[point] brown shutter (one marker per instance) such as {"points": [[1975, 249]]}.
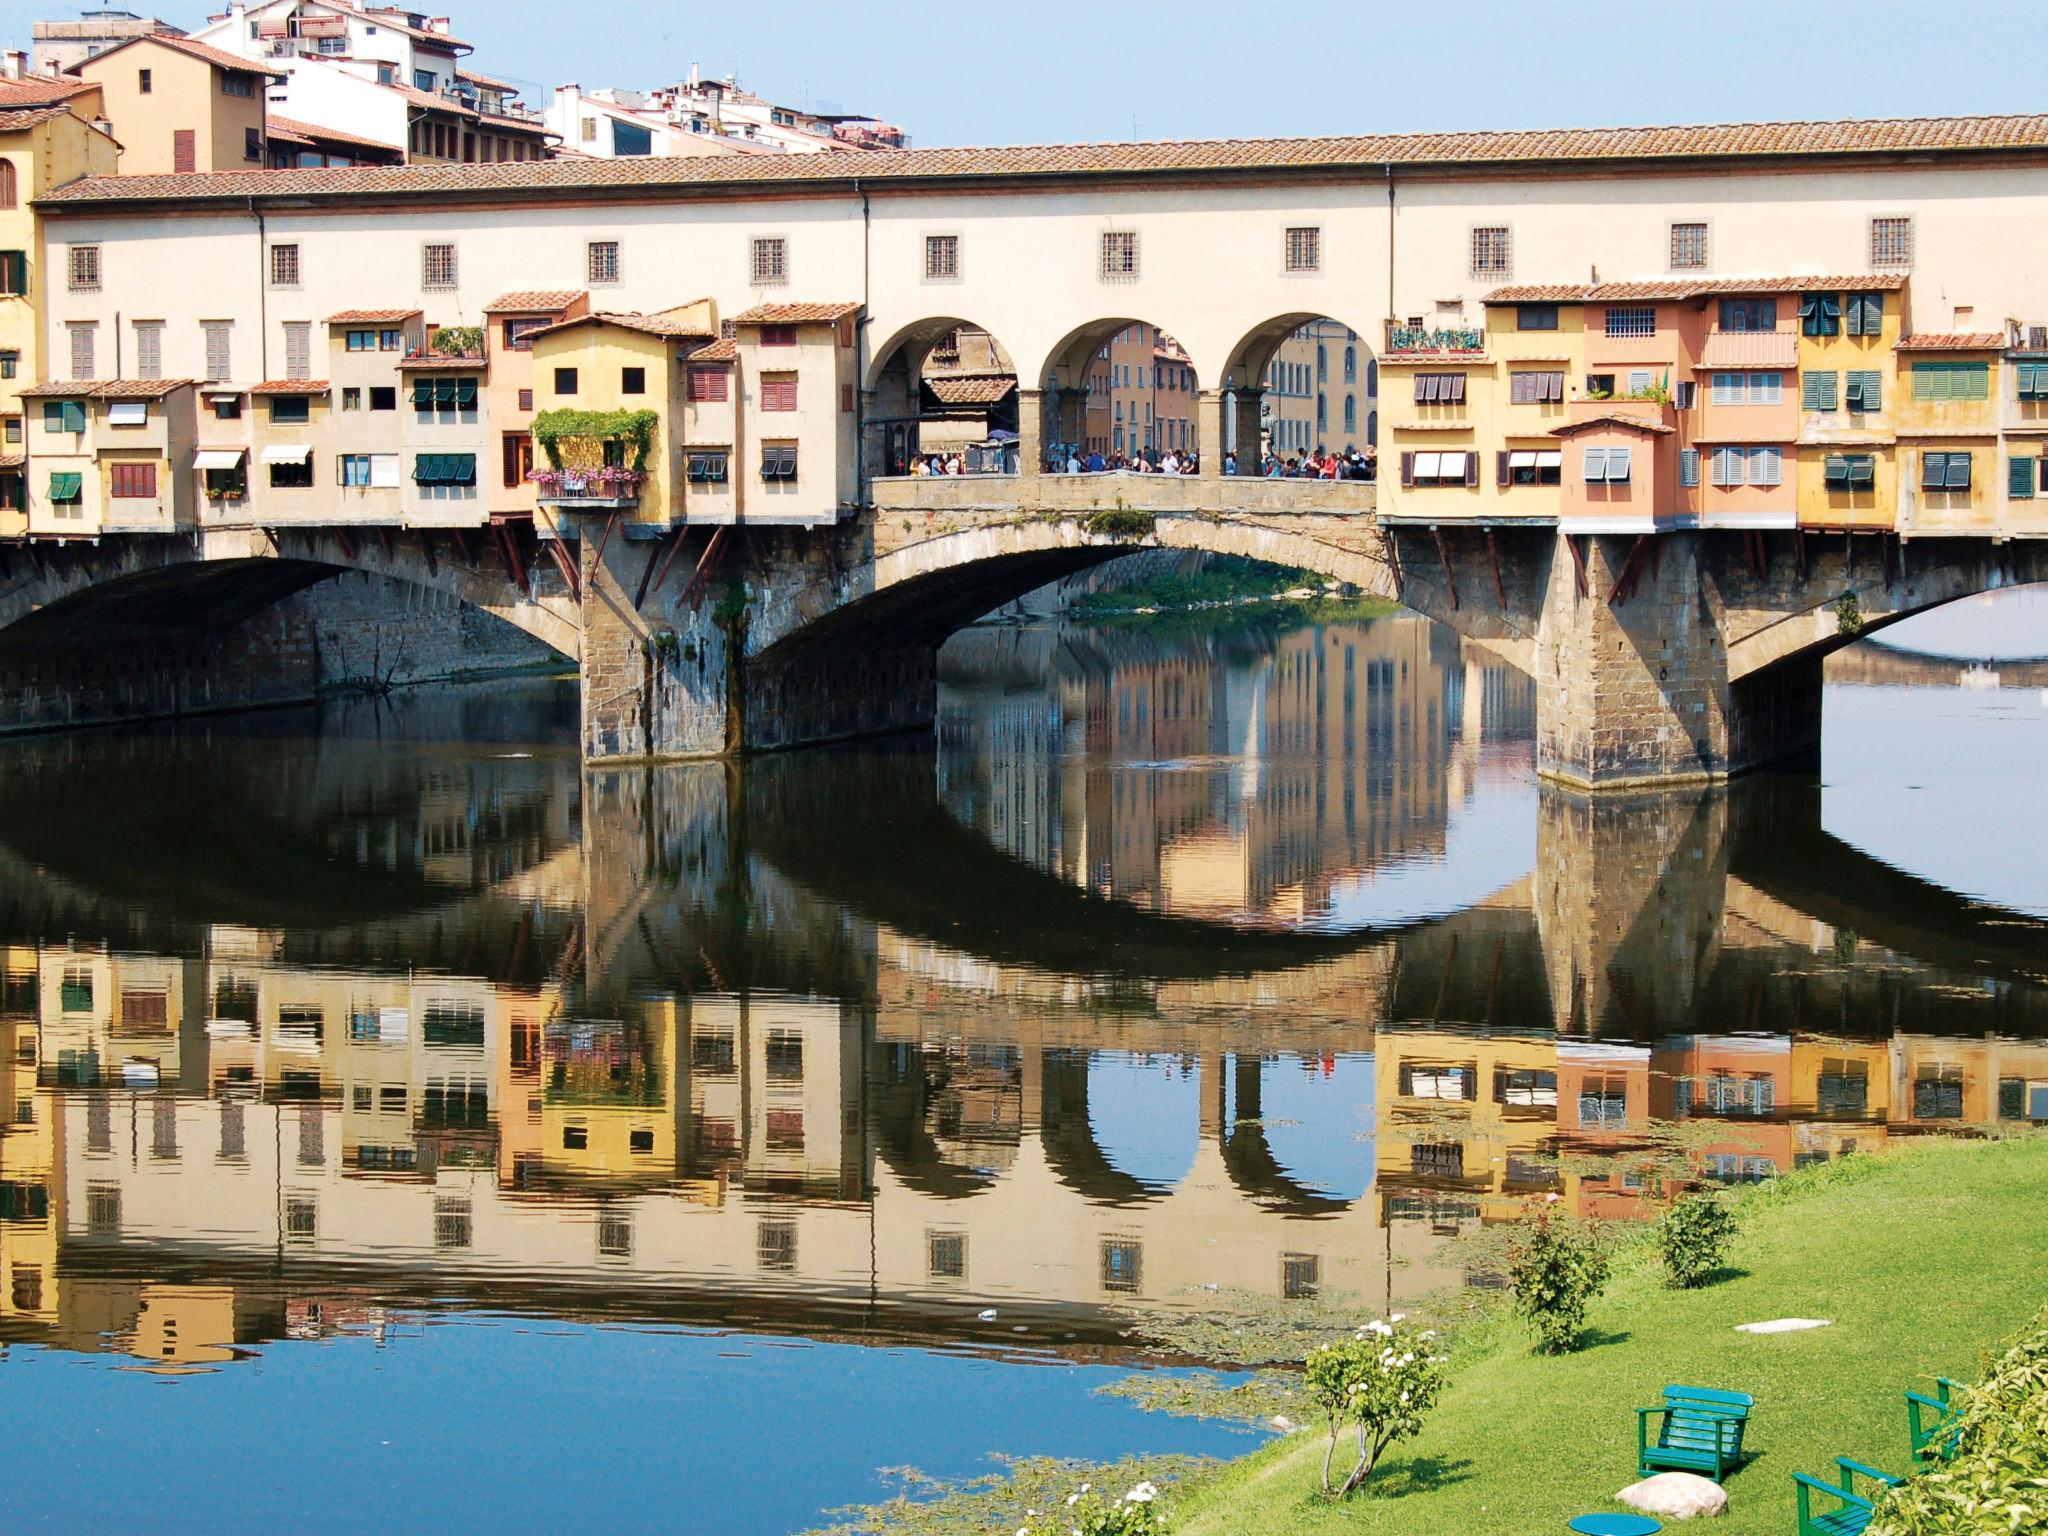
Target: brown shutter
{"points": [[184, 151], [1407, 468], [1500, 468], [1471, 469]]}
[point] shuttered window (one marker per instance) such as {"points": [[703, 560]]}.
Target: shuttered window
{"points": [[218, 333], [149, 349], [1440, 389], [2019, 479], [1688, 466], [132, 481], [2033, 381], [708, 384], [1728, 466], [1593, 465], [298, 350], [1817, 391], [63, 416], [1951, 381], [778, 461], [1945, 471], [1535, 388], [83, 339], [1766, 466], [13, 272], [1866, 314], [1820, 314], [1865, 390], [778, 392]]}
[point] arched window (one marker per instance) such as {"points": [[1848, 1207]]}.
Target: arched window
{"points": [[1350, 415], [1322, 414], [6, 183], [1372, 376], [1351, 365], [1322, 362]]}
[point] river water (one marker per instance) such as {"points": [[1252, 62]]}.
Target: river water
{"points": [[404, 1130]]}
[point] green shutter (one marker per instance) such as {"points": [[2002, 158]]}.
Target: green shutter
{"points": [[426, 469], [460, 467], [465, 394], [66, 485], [1836, 470], [1873, 389], [1931, 381], [1973, 381], [1817, 391], [1862, 469], [1933, 471], [423, 394], [2019, 479], [444, 394]]}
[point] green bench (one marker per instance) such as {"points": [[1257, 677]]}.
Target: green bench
{"points": [[1700, 1430], [1932, 1423], [1852, 1510]]}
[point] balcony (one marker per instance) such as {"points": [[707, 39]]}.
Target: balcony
{"points": [[474, 102], [588, 489], [1456, 341]]}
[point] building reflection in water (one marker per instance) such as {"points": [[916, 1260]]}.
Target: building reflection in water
{"points": [[1052, 1029]]}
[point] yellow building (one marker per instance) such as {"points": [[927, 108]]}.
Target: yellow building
{"points": [[1852, 396], [180, 107], [1948, 432], [41, 147], [112, 457], [614, 364]]}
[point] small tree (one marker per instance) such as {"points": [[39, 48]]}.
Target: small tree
{"points": [[1558, 1267], [1693, 1235], [1383, 1380], [1089, 1513]]}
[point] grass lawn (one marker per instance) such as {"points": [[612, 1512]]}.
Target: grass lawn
{"points": [[1924, 1258]]}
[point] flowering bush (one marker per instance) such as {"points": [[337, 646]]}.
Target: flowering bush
{"points": [[1558, 1267], [608, 480], [1693, 1235], [1089, 1513], [1382, 1380]]}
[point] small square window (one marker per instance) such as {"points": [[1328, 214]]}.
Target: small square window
{"points": [[383, 397], [770, 260], [1119, 255], [437, 265], [1891, 241], [1304, 249], [284, 266], [1491, 251], [632, 381], [603, 264], [565, 381], [82, 265], [352, 398], [1688, 247], [941, 258]]}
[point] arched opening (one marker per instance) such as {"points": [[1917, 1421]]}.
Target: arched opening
{"points": [[1120, 396], [1306, 387], [942, 399]]}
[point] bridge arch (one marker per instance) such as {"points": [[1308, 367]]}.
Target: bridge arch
{"points": [[1310, 379], [1120, 385], [938, 385]]}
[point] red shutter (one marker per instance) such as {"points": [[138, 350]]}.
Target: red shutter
{"points": [[1407, 468], [707, 384], [778, 335], [184, 151], [778, 394]]}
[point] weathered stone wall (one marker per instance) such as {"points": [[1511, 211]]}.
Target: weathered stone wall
{"points": [[371, 630]]}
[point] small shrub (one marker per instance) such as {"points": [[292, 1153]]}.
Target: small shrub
{"points": [[1693, 1236], [1558, 1268], [1382, 1380], [1120, 523], [1848, 615], [1088, 1513]]}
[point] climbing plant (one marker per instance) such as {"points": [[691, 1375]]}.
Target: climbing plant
{"points": [[459, 340], [551, 429], [1848, 614]]}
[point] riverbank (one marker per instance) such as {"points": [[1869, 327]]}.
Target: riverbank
{"points": [[1923, 1258]]}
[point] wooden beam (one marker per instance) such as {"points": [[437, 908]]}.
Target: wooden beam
{"points": [[1578, 561], [384, 538], [1628, 568], [1443, 553], [1500, 590], [1394, 562], [1799, 551], [348, 545], [567, 567], [605, 538], [706, 564], [508, 548], [427, 549], [661, 554]]}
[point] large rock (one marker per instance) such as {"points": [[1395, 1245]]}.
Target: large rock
{"points": [[1676, 1496]]}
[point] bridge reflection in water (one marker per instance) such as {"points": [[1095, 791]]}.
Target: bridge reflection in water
{"points": [[1254, 963]]}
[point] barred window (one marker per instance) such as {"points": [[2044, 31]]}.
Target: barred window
{"points": [[1891, 241], [1305, 250], [771, 259], [603, 263], [284, 266], [1119, 255], [941, 257], [1688, 247], [84, 268], [1490, 252], [437, 265], [1632, 322]]}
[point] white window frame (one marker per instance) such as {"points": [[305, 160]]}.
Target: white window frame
{"points": [[128, 413], [1628, 333], [763, 273]]}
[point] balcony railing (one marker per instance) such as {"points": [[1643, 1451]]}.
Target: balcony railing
{"points": [[474, 101], [607, 487], [1415, 338]]}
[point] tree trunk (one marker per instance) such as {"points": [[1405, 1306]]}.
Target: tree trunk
{"points": [[1368, 1458]]}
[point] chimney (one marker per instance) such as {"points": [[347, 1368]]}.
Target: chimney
{"points": [[438, 24], [14, 63]]}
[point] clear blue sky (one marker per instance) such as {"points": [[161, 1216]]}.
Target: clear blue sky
{"points": [[998, 72]]}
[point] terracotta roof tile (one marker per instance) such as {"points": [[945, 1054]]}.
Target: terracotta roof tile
{"points": [[218, 58], [318, 133], [1724, 141], [650, 325], [14, 119], [724, 350], [104, 389], [12, 460], [290, 387], [971, 389], [433, 362], [533, 301], [489, 82], [370, 316], [1613, 419], [40, 90], [1960, 341], [795, 314], [1671, 288]]}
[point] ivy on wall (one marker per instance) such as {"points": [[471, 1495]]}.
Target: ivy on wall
{"points": [[551, 429]]}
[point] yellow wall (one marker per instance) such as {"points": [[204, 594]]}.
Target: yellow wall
{"points": [[1944, 426], [184, 93], [599, 353]]}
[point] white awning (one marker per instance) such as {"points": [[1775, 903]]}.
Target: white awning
{"points": [[1522, 460], [1425, 465], [1552, 458], [1450, 464], [217, 458], [128, 413], [288, 453]]}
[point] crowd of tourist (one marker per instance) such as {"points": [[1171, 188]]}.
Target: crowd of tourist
{"points": [[1322, 464], [1351, 464]]}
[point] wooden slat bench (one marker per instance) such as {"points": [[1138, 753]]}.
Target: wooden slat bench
{"points": [[1931, 1421], [1852, 1510], [1700, 1431]]}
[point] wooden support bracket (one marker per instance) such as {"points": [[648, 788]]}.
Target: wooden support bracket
{"points": [[1443, 553], [1578, 562], [1500, 591]]}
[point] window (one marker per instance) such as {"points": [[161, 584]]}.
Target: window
{"points": [[1820, 314], [252, 143], [708, 383], [82, 339], [778, 392], [298, 349], [1123, 1265], [1432, 1080], [8, 196], [519, 332], [1535, 317], [2031, 381], [1866, 314], [1610, 464], [565, 381], [218, 334], [1849, 471], [13, 270], [778, 461], [1119, 255], [2019, 478], [128, 413], [770, 263], [1749, 314], [1304, 249], [775, 1244], [1817, 390], [1766, 466], [706, 468], [1944, 471], [1442, 1159], [227, 407], [383, 397], [1688, 466], [63, 416], [1688, 247], [149, 349], [444, 469], [290, 409], [1938, 1093], [423, 80], [1891, 241], [1864, 389], [142, 82], [1949, 381], [10, 430], [353, 469], [602, 261], [946, 1255], [437, 265], [135, 482], [1749, 388], [941, 258], [1542, 387], [1632, 321], [1440, 389], [1490, 250], [291, 474], [1431, 468], [284, 266], [236, 84], [451, 1221], [516, 456]]}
